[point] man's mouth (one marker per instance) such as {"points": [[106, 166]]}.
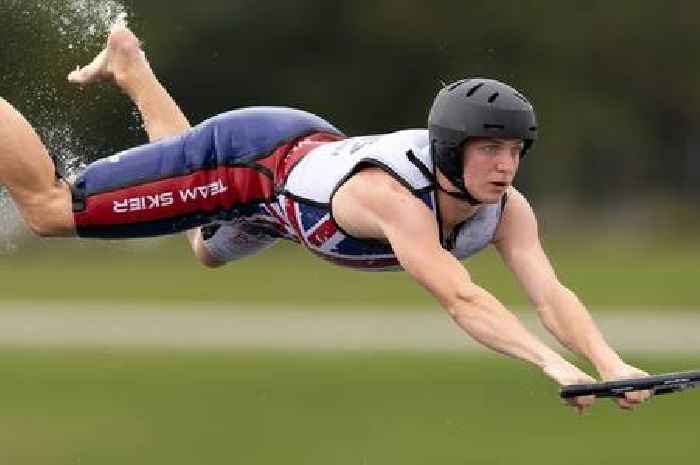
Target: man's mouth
{"points": [[500, 184]]}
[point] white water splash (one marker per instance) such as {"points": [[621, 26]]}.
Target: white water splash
{"points": [[66, 148], [68, 155], [75, 26], [83, 22], [11, 225]]}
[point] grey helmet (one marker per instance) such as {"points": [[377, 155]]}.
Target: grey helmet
{"points": [[476, 107]]}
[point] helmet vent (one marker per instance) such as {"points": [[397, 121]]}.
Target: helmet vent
{"points": [[493, 97], [533, 128], [456, 84], [521, 97], [473, 90], [494, 126]]}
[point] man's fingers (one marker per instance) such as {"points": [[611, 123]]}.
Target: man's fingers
{"points": [[637, 397], [645, 395], [625, 404], [581, 403]]}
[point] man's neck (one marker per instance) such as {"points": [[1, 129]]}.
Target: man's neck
{"points": [[453, 211]]}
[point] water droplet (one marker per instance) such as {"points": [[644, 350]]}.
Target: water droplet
{"points": [[75, 25]]}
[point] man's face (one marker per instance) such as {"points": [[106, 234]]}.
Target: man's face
{"points": [[490, 166]]}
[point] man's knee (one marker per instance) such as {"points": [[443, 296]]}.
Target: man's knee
{"points": [[223, 243], [49, 227], [207, 260], [49, 214], [194, 237]]}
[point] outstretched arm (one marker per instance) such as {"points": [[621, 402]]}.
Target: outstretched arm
{"points": [[382, 207], [561, 312]]}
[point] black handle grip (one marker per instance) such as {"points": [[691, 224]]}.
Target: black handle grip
{"points": [[666, 383]]}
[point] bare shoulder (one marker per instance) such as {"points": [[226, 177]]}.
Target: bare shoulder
{"points": [[516, 200], [518, 217], [372, 198]]}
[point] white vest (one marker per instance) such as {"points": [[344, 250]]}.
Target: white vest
{"points": [[302, 213], [320, 173]]}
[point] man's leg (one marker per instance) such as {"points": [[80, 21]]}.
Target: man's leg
{"points": [[184, 181], [124, 63], [26, 169], [28, 173]]}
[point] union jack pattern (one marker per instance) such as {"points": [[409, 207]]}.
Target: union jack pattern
{"points": [[256, 166], [314, 227]]}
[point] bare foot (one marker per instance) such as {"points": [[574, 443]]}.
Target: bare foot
{"points": [[121, 58]]}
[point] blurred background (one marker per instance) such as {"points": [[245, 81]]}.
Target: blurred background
{"points": [[614, 179]]}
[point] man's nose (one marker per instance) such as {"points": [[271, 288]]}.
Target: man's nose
{"points": [[505, 164]]}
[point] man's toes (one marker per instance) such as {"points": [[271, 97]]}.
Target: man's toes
{"points": [[75, 76], [93, 72], [122, 38]]}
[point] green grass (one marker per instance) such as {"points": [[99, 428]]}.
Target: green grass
{"points": [[618, 271], [261, 408]]}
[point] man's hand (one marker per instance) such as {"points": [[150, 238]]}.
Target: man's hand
{"points": [[565, 374], [624, 371]]}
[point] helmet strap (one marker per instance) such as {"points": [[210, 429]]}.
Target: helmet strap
{"points": [[464, 195]]}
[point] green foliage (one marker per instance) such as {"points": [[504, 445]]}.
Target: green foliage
{"points": [[614, 83], [357, 408], [605, 271]]}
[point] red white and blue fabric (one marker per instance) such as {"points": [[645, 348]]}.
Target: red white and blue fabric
{"points": [[315, 226], [223, 168], [276, 170], [404, 155]]}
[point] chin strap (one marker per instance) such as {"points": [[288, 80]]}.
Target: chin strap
{"points": [[465, 195]]}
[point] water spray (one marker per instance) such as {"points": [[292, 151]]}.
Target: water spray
{"points": [[74, 27]]}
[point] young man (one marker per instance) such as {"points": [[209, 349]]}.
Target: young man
{"points": [[418, 200]]}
